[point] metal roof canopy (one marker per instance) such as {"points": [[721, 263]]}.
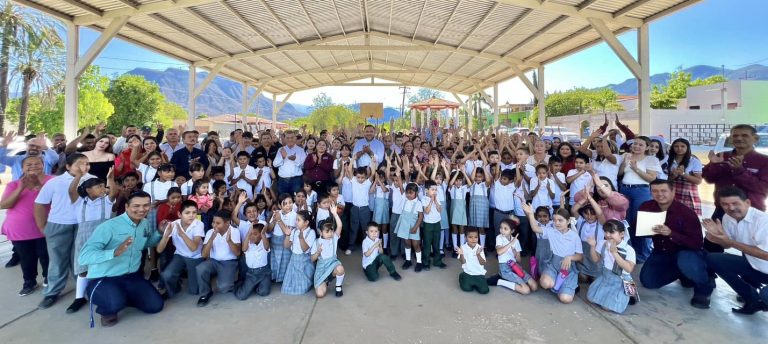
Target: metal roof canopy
{"points": [[285, 46]]}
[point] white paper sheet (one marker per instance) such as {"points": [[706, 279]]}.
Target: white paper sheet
{"points": [[646, 221]]}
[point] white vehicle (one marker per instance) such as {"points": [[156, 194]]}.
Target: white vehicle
{"points": [[724, 143]]}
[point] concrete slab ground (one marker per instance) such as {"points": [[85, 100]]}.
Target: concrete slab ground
{"points": [[427, 307]]}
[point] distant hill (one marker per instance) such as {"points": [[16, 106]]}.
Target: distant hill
{"points": [[222, 96], [752, 72]]}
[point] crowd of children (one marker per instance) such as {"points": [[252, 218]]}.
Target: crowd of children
{"points": [[538, 204]]}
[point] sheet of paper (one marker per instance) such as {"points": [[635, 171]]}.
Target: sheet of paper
{"points": [[646, 221]]}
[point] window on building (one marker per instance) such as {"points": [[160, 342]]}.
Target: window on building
{"points": [[694, 107], [716, 106], [732, 106]]}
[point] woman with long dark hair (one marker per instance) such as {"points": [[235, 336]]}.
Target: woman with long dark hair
{"points": [[685, 169], [567, 153]]}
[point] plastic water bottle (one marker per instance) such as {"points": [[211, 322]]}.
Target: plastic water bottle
{"points": [[560, 279], [534, 268], [516, 269]]}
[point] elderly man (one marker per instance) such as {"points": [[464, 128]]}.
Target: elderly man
{"points": [[122, 141], [113, 256], [677, 247], [746, 229], [368, 147], [289, 163], [742, 167], [172, 143], [190, 154], [35, 146]]}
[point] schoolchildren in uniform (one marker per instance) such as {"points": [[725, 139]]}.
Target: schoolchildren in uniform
{"points": [[557, 180], [458, 190], [374, 257], [472, 257], [361, 186], [543, 253], [432, 215], [257, 276], [560, 274], [244, 176], [299, 272], [588, 227], [578, 178], [504, 195], [244, 226], [281, 225], [264, 175], [196, 172], [479, 205], [542, 189], [617, 260], [381, 205], [408, 225], [158, 190], [323, 253], [148, 169], [311, 195], [167, 211], [186, 234], [93, 205], [396, 187], [129, 183], [513, 277], [524, 173], [221, 248], [442, 189]]}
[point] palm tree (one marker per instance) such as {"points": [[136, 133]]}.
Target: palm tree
{"points": [[11, 21], [38, 62], [478, 100]]}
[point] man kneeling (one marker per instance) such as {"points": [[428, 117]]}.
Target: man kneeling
{"points": [[113, 257]]}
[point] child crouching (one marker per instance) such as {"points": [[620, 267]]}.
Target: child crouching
{"points": [[257, 274], [472, 258], [618, 261], [508, 248], [373, 257]]}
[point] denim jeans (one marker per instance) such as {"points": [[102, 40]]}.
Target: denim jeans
{"points": [[739, 274], [637, 196], [289, 185], [112, 294], [661, 269]]}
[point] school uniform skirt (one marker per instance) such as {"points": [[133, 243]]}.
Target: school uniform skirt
{"points": [[84, 231], [324, 269], [479, 207], [586, 266], [458, 212], [298, 276], [543, 253], [608, 291], [444, 223], [278, 258], [381, 211], [506, 273], [552, 269]]}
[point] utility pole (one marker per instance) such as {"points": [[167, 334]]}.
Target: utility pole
{"points": [[402, 105]]}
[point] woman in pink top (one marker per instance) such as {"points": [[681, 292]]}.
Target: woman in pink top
{"points": [[19, 226], [613, 203]]}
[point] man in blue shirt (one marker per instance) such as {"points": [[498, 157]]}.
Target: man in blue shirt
{"points": [[35, 146], [189, 154], [113, 257]]}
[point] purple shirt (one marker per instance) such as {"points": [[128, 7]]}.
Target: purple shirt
{"points": [[685, 226], [751, 176]]}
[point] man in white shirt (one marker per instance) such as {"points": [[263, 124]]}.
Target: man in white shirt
{"points": [[172, 143], [368, 147], [289, 161], [746, 229]]}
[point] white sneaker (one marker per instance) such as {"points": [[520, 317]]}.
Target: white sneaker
{"points": [[348, 252]]}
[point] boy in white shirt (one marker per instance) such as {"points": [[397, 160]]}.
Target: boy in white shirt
{"points": [[557, 180], [472, 258], [258, 275], [244, 176], [360, 214], [396, 246], [186, 233], [432, 216], [264, 174], [373, 257], [221, 249]]}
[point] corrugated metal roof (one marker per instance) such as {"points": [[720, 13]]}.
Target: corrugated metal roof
{"points": [[452, 45]]}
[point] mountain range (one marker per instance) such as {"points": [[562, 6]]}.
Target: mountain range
{"points": [[224, 96]]}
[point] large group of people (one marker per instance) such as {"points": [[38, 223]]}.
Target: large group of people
{"points": [[133, 215]]}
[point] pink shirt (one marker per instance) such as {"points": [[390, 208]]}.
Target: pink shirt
{"points": [[614, 207], [20, 220]]}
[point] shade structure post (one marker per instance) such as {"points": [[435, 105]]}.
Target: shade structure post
{"points": [[191, 98], [495, 105], [644, 81], [540, 98], [274, 111], [70, 82], [244, 109]]}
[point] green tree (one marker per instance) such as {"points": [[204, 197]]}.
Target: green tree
{"points": [[93, 107], [170, 111], [605, 99], [331, 118], [424, 94], [667, 96], [136, 101], [320, 101]]}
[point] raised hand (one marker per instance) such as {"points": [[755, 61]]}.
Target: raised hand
{"points": [[242, 198], [8, 137], [124, 246], [714, 158]]}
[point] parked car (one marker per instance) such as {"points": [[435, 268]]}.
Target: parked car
{"points": [[724, 143]]}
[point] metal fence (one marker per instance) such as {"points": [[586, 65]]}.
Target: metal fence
{"points": [[699, 134]]}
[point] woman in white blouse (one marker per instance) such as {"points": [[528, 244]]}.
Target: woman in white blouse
{"points": [[638, 170]]}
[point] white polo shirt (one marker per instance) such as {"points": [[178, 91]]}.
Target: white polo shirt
{"points": [[504, 195], [56, 193], [360, 192], [289, 220], [250, 173], [398, 200], [147, 173], [329, 246], [256, 256], [433, 216], [472, 265], [609, 260], [458, 193], [309, 237], [507, 256], [367, 244], [563, 244], [220, 250], [245, 227], [578, 184], [194, 230], [266, 178], [88, 209], [751, 230], [158, 190]]}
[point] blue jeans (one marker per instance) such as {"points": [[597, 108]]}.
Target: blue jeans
{"points": [[637, 196], [661, 269], [739, 274], [113, 294], [289, 185]]}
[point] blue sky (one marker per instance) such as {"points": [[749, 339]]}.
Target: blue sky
{"points": [[733, 33]]}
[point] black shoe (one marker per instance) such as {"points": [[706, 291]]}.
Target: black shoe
{"points": [[739, 299], [15, 260], [425, 267], [396, 276], [751, 308], [27, 290], [48, 301], [339, 293], [108, 321], [76, 305], [441, 265], [407, 265], [154, 276], [203, 300], [632, 301], [493, 280], [165, 296], [418, 267], [578, 288], [700, 302]]}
